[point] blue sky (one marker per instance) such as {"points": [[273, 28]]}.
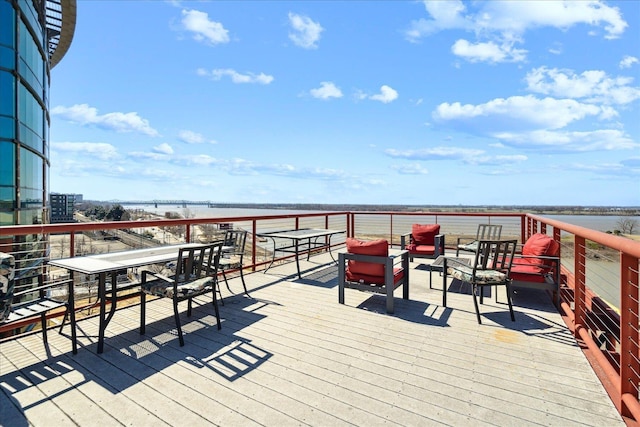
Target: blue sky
{"points": [[363, 102]]}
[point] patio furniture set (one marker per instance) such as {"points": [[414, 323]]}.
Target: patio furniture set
{"points": [[369, 266], [372, 267]]}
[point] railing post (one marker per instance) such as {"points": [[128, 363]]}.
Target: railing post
{"points": [[629, 336], [579, 285], [253, 244]]}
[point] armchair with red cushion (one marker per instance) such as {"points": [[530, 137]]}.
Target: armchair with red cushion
{"points": [[538, 265], [370, 266], [424, 241]]}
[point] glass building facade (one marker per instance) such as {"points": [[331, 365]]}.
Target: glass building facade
{"points": [[34, 35], [32, 40]]}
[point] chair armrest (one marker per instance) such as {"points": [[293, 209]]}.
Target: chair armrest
{"points": [[465, 240], [156, 275], [405, 239], [438, 242]]}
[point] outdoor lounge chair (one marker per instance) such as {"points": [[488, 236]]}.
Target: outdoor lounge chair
{"points": [[196, 270], [538, 265], [424, 241], [491, 267], [484, 232], [370, 266]]}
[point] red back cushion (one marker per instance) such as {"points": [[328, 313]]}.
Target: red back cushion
{"points": [[541, 244], [424, 234], [372, 247]]}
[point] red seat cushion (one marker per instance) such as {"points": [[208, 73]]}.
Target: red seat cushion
{"points": [[424, 234], [529, 268], [527, 272], [374, 248], [421, 249], [398, 274]]}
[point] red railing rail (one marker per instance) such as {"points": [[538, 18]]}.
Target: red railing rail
{"points": [[617, 363]]}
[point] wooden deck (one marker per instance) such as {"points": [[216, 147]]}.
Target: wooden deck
{"points": [[291, 355]]}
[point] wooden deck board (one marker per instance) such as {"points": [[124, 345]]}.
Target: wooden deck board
{"points": [[291, 355]]}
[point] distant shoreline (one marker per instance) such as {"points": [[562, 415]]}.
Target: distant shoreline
{"points": [[538, 209]]}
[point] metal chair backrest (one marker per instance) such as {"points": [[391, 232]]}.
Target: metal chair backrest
{"points": [[236, 239], [495, 255], [197, 262], [488, 232]]}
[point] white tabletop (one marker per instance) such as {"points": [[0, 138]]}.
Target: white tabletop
{"points": [[92, 264]]}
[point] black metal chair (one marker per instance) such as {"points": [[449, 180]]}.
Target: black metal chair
{"points": [[491, 267], [196, 270], [484, 232], [233, 255]]}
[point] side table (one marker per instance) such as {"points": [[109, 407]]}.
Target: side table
{"points": [[440, 265]]}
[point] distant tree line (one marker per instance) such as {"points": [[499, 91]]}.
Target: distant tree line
{"points": [[104, 212]]}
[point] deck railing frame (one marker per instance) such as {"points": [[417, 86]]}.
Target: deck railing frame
{"points": [[621, 382]]}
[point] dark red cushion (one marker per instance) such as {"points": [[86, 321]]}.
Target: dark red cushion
{"points": [[398, 274], [421, 249], [372, 247], [541, 244], [527, 272], [424, 234]]}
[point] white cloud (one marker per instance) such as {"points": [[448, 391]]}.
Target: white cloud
{"points": [[517, 112], [487, 51], [593, 86], [190, 137], [500, 24], [236, 77], [326, 90], [119, 122], [435, 153], [607, 139], [101, 150], [628, 61], [203, 29], [195, 160], [386, 95], [163, 148], [306, 32], [410, 169]]}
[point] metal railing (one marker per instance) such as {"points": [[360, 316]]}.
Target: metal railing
{"points": [[599, 293]]}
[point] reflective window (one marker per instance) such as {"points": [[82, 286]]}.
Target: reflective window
{"points": [[7, 127], [7, 23], [30, 171], [7, 172], [7, 100], [31, 66], [7, 58]]}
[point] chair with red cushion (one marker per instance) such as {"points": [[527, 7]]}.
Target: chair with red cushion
{"points": [[538, 265], [424, 241], [370, 266]]}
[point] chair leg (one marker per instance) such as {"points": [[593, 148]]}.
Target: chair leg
{"points": [[64, 319], [513, 318], [176, 315], [189, 307], [224, 276], [474, 289], [143, 305], [43, 320], [216, 288], [244, 285], [215, 308]]}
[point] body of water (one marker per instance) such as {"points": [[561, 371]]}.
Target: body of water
{"points": [[602, 223]]}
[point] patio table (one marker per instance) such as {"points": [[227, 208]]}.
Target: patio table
{"points": [[111, 263], [301, 240]]}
